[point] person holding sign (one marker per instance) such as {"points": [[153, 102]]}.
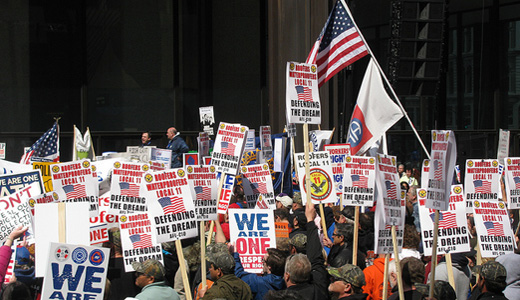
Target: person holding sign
{"points": [[150, 277], [177, 145], [5, 250]]}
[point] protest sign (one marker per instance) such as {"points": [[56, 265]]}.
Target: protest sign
{"points": [[281, 229], [291, 130], [104, 217], [494, 233], [383, 231], [266, 144], [45, 169], [425, 170], [52, 224], [9, 272], [2, 150], [137, 240], [51, 197], [15, 210], [252, 231], [125, 192], [387, 182], [443, 157], [98, 234], [8, 167], [512, 180], [279, 154], [227, 151], [207, 119], [170, 205], [261, 203], [10, 183], [161, 158], [83, 268], [139, 154], [256, 180], [359, 181], [76, 179], [337, 153], [226, 192], [250, 140], [503, 145], [302, 95], [322, 185], [482, 180], [206, 160], [320, 138], [190, 159], [453, 227], [203, 184], [203, 143]]}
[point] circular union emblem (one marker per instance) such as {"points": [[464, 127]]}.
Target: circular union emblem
{"points": [[457, 190], [94, 168], [508, 161], [117, 165], [222, 125], [79, 255], [123, 218], [181, 173], [501, 204], [162, 165], [32, 202], [402, 194], [447, 135], [96, 257], [242, 129], [244, 169], [55, 169], [265, 167], [291, 66], [55, 195], [426, 162], [62, 253], [86, 164], [371, 160], [146, 168], [476, 204], [470, 163], [355, 132], [434, 136], [495, 163], [320, 184], [148, 177], [422, 193], [348, 159], [379, 159], [393, 161], [189, 169], [212, 168], [313, 68]]}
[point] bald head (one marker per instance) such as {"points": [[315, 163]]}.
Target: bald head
{"points": [[171, 132]]}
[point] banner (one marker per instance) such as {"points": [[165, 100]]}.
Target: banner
{"points": [[207, 119], [359, 181], [388, 191], [266, 144], [453, 226], [170, 205], [512, 180], [252, 231], [203, 184], [302, 94], [226, 193], [256, 180], [161, 159], [139, 154], [138, 241], [227, 151], [482, 180], [443, 158], [12, 183], [322, 185], [383, 232], [495, 236], [52, 197], [75, 272], [250, 140], [338, 153], [125, 194], [15, 211]]}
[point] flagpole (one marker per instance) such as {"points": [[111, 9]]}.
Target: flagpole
{"points": [[386, 80]]}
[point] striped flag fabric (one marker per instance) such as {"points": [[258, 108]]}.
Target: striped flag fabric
{"points": [[129, 189], [494, 228], [261, 203], [391, 190], [482, 186], [259, 187], [75, 191], [437, 167], [359, 181], [304, 93], [338, 45], [227, 148], [202, 193], [517, 182], [46, 147], [173, 205], [446, 219], [141, 241]]}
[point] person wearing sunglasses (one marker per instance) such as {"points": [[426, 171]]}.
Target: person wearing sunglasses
{"points": [[149, 276]]}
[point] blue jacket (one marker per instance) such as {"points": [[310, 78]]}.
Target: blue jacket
{"points": [[259, 285], [178, 147]]}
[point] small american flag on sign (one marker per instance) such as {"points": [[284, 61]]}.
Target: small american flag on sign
{"points": [[261, 203], [359, 181], [259, 187], [494, 228], [173, 205], [304, 93], [517, 182], [391, 190], [227, 148], [141, 241], [446, 219], [75, 191], [129, 189], [437, 167], [482, 186], [202, 193]]}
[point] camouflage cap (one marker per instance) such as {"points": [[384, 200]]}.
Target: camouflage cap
{"points": [[349, 273], [114, 236], [224, 261], [415, 268], [299, 241], [215, 248], [150, 267], [297, 198], [443, 290], [493, 270]]}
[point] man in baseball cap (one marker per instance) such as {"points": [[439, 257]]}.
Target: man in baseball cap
{"points": [[492, 281], [149, 276], [348, 282], [282, 200]]}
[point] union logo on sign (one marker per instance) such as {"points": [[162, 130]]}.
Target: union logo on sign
{"points": [[356, 132]]}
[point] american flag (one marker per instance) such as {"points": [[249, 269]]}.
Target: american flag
{"points": [[75, 191], [338, 45], [141, 241], [446, 219], [304, 93], [261, 203], [259, 187], [391, 190], [437, 167], [517, 182], [227, 148], [482, 186], [202, 193], [129, 189], [173, 205], [45, 148], [494, 228], [359, 181]]}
